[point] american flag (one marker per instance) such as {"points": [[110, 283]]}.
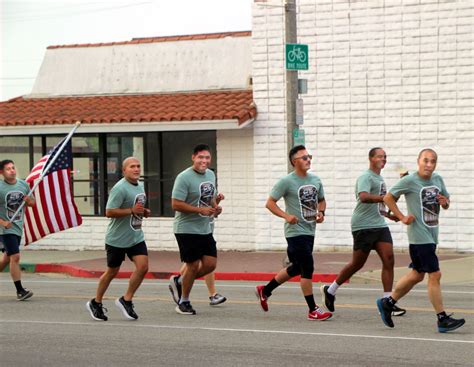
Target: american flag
{"points": [[55, 209]]}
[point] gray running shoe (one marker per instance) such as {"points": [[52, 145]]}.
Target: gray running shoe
{"points": [[217, 299], [23, 295], [185, 308], [97, 310]]}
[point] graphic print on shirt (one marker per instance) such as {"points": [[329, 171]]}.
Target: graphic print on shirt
{"points": [[206, 195], [13, 200], [430, 205], [308, 195], [382, 207], [136, 220]]}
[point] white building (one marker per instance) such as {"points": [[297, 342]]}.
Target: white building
{"points": [[396, 74]]}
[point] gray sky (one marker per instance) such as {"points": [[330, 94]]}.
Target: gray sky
{"points": [[28, 27]]}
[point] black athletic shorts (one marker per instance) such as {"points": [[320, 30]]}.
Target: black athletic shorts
{"points": [[116, 255], [366, 239], [300, 249], [193, 247], [11, 244], [423, 258]]}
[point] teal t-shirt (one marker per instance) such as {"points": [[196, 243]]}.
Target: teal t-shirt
{"points": [[198, 190], [126, 231], [369, 215], [420, 196], [301, 195], [11, 197]]}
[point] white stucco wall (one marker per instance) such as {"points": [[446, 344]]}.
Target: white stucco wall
{"points": [[159, 67]]}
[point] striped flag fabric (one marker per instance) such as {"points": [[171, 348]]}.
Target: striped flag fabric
{"points": [[55, 209]]}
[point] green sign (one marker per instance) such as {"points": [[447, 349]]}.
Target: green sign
{"points": [[296, 56], [298, 137]]}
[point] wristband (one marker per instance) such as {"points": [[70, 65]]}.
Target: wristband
{"points": [[323, 212]]}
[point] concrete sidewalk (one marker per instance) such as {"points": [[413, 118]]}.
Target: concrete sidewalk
{"points": [[234, 265]]}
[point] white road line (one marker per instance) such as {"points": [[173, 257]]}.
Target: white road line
{"points": [[255, 331], [222, 284]]}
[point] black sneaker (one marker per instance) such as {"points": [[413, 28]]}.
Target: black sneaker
{"points": [[397, 311], [450, 324], [175, 288], [385, 309], [24, 294], [185, 308], [127, 308], [328, 298], [97, 310]]}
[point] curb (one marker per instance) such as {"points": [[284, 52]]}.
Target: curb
{"points": [[84, 273]]}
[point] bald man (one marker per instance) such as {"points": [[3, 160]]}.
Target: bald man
{"points": [[124, 236]]}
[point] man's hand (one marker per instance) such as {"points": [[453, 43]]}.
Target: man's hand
{"points": [[138, 209], [219, 198], [207, 211], [29, 201], [291, 219], [146, 212], [5, 224], [443, 201], [319, 217], [408, 219]]}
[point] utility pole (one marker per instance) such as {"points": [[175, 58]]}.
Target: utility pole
{"points": [[291, 75]]}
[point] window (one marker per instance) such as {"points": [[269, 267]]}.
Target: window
{"points": [[97, 163]]}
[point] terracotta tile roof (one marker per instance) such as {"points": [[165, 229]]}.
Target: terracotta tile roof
{"points": [[198, 106], [161, 39]]}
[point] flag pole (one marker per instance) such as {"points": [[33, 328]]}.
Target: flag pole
{"points": [[50, 164]]}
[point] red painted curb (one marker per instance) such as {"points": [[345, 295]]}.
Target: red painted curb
{"points": [[83, 273]]}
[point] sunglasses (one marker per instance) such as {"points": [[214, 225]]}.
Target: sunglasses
{"points": [[305, 157]]}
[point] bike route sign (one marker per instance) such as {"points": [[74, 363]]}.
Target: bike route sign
{"points": [[296, 56]]}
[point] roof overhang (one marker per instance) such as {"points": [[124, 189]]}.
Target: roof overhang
{"points": [[124, 127]]}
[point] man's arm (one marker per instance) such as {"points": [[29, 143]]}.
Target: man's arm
{"points": [[367, 198], [391, 203], [321, 210], [276, 210], [183, 207]]}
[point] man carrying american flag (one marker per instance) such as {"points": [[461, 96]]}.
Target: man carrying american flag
{"points": [[13, 192]]}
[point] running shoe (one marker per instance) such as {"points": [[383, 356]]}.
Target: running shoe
{"points": [[397, 311], [175, 288], [127, 308], [217, 299], [319, 314], [261, 297], [185, 308], [450, 324], [328, 298], [385, 309], [23, 295], [97, 310]]}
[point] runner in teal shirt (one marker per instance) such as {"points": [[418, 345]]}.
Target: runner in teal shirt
{"points": [[12, 194], [305, 205], [196, 202], [425, 193], [126, 210], [369, 231]]}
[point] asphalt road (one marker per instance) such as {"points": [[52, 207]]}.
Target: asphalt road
{"points": [[54, 328]]}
